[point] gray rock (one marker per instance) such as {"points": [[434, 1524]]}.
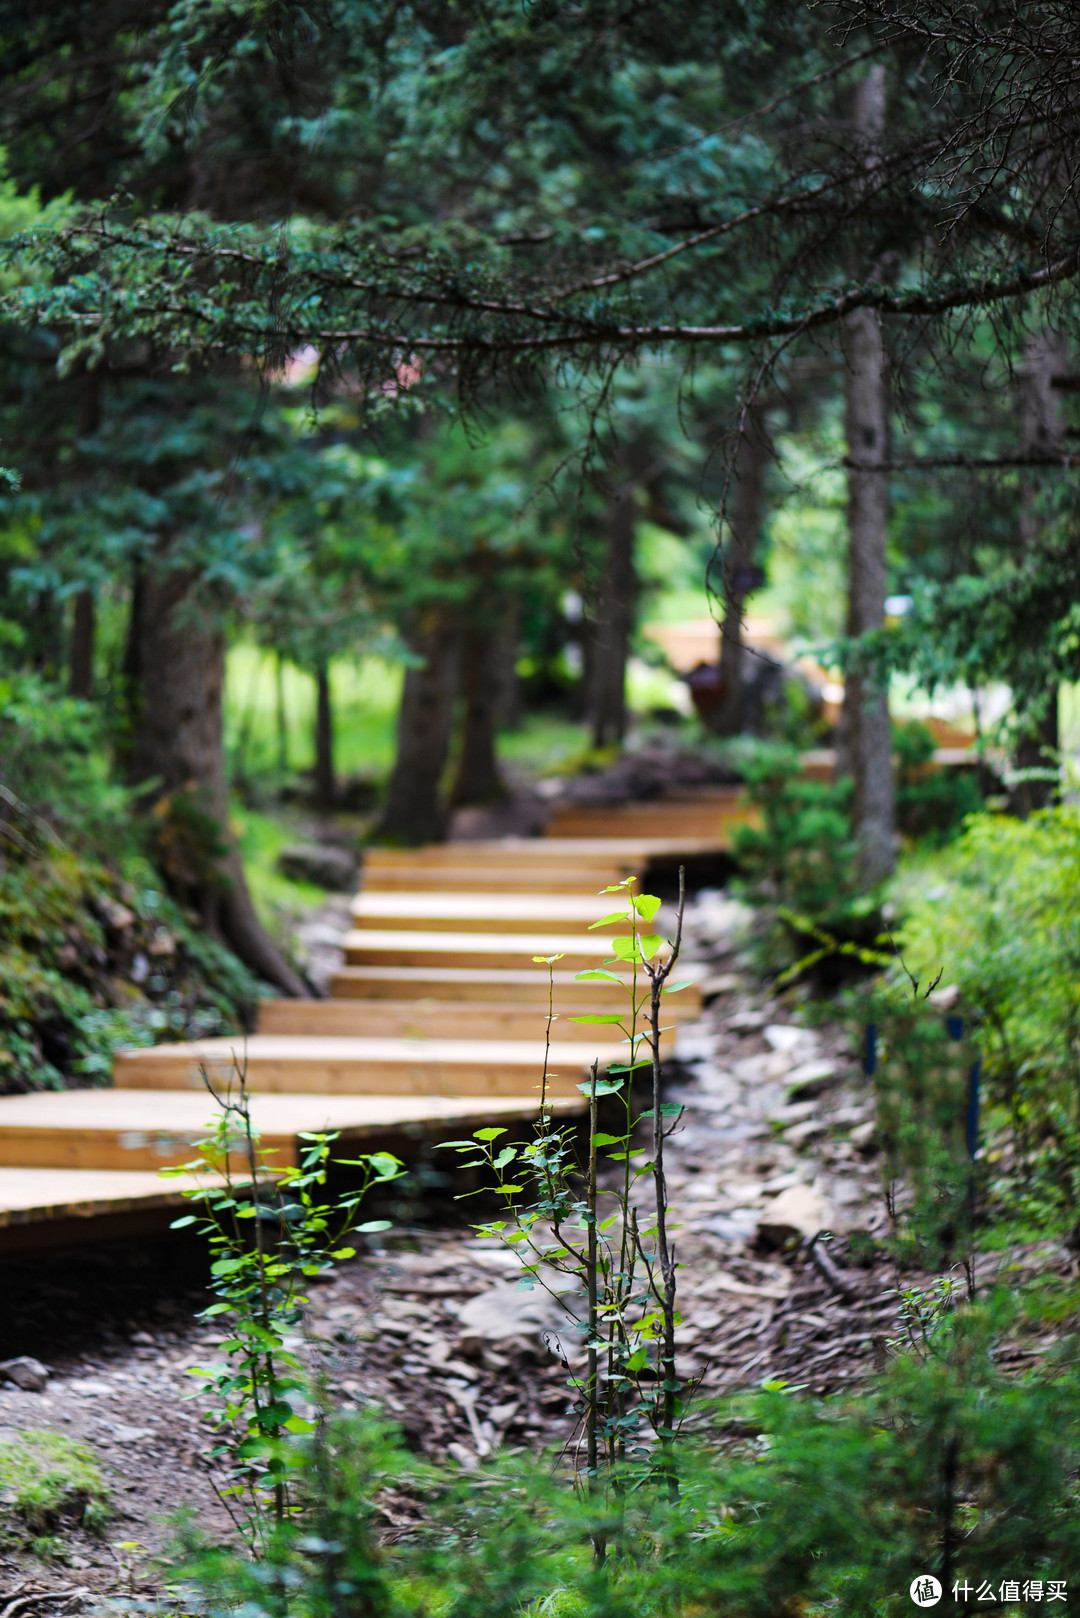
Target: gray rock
{"points": [[811, 1079], [26, 1373], [512, 1315], [319, 863], [798, 1212]]}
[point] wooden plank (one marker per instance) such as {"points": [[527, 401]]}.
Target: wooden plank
{"points": [[151, 1129], [485, 912], [523, 985], [335, 1065], [480, 879], [663, 818], [403, 948], [437, 1019], [30, 1196]]}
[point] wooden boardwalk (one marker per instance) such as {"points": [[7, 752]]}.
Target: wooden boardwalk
{"points": [[436, 1026]]}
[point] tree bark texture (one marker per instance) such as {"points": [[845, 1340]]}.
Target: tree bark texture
{"points": [[1042, 431], [866, 750], [179, 651], [414, 811], [325, 784], [81, 664], [751, 457], [614, 623], [478, 780]]}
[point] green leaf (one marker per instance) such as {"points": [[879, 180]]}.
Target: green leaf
{"points": [[371, 1226], [637, 1361], [178, 1224], [630, 1067], [597, 974], [601, 1017], [604, 1087], [546, 960], [609, 1140], [649, 944], [386, 1165], [606, 921], [673, 988], [646, 905], [624, 949], [488, 1134]]}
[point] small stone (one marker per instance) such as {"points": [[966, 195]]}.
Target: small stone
{"points": [[320, 864], [800, 1211], [26, 1373], [123, 1434], [143, 1339], [720, 983], [811, 1079], [863, 1136], [785, 1036]]}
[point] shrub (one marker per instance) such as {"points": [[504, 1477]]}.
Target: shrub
{"points": [[1002, 917], [947, 1468], [800, 862], [931, 805]]}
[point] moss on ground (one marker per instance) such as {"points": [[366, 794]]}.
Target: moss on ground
{"points": [[46, 1479]]}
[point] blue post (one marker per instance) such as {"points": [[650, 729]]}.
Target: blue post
{"points": [[870, 1062]]}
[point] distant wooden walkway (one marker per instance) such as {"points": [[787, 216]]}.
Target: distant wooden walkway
{"points": [[436, 1025]]}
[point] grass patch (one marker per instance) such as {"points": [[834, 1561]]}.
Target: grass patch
{"points": [[280, 902], [46, 1478]]}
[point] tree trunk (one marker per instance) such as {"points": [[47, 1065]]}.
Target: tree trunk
{"points": [[478, 781], [81, 669], [750, 461], [179, 650], [282, 717], [866, 736], [614, 624], [413, 812], [1042, 431], [324, 739]]}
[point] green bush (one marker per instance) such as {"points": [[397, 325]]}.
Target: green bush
{"points": [[800, 862], [948, 1468], [1001, 916], [931, 805]]}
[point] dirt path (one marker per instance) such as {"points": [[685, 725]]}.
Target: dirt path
{"points": [[433, 1330]]}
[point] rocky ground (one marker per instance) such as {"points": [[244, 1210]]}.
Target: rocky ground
{"points": [[775, 1145]]}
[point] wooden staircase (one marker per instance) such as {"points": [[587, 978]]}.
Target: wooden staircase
{"points": [[436, 1026]]}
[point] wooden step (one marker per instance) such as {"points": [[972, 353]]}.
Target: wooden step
{"points": [[682, 818], [150, 1129], [519, 986], [485, 912], [28, 1196], [481, 879], [574, 856], [373, 947], [337, 1065], [439, 1019]]}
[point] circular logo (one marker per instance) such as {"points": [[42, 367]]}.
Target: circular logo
{"points": [[925, 1590]]}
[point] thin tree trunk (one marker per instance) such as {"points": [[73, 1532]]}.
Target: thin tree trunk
{"points": [[865, 728], [478, 780], [324, 739], [507, 684], [746, 514], [614, 624], [179, 649], [81, 668], [414, 812], [1042, 430], [281, 716]]}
